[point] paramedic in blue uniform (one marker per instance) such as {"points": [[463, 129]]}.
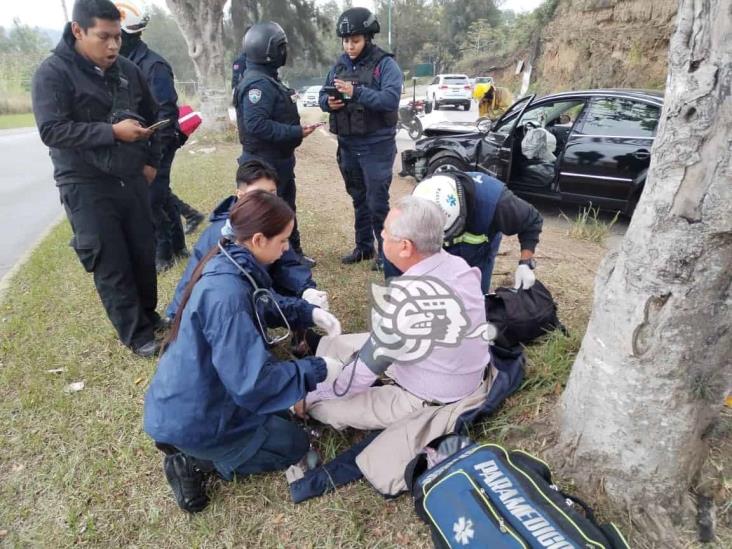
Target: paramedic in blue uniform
{"points": [[289, 276], [364, 118], [266, 113], [170, 241], [219, 398], [480, 210]]}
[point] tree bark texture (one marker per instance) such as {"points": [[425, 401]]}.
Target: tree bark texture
{"points": [[202, 25], [655, 362]]}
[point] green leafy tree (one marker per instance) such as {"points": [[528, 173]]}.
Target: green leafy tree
{"points": [[301, 20], [414, 23], [164, 36], [458, 15], [23, 39]]}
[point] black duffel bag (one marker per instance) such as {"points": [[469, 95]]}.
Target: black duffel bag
{"points": [[520, 316]]}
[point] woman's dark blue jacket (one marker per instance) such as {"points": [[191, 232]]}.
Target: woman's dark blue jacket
{"points": [[217, 382]]}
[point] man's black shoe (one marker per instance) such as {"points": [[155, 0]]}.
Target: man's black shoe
{"points": [[148, 350], [356, 256], [187, 482], [193, 221]]}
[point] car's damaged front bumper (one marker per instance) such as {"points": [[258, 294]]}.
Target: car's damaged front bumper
{"points": [[414, 163]]}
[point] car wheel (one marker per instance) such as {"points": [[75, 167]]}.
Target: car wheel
{"points": [[436, 103], [445, 164]]}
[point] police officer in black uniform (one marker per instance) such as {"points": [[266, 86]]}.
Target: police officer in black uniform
{"points": [[266, 113], [170, 242], [364, 116], [91, 107]]}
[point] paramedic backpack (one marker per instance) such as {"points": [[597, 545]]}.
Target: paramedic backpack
{"points": [[520, 316], [484, 496]]}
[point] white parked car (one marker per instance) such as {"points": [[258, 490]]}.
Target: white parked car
{"points": [[450, 89], [310, 98]]}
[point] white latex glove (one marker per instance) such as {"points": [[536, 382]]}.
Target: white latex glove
{"points": [[326, 321], [524, 277], [317, 298], [335, 367]]}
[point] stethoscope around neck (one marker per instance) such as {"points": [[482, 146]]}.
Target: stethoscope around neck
{"points": [[264, 297]]}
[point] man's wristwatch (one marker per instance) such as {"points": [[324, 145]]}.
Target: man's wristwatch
{"points": [[531, 263]]}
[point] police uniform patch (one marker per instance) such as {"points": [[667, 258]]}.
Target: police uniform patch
{"points": [[255, 95]]}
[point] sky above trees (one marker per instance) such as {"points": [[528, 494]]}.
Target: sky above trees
{"points": [[48, 13]]}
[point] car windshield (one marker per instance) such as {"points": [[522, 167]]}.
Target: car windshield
{"points": [[314, 89], [552, 114], [506, 123], [455, 80], [483, 80]]}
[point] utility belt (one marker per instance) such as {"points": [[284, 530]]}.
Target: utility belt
{"points": [[268, 153], [355, 119]]}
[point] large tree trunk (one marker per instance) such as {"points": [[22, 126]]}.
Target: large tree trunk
{"points": [[654, 366], [202, 24]]}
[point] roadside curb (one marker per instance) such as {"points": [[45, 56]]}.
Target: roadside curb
{"points": [[23, 259]]}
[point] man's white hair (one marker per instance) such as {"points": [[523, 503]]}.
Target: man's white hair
{"points": [[420, 221]]}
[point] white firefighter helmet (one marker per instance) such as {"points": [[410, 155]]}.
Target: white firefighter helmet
{"points": [[445, 191], [133, 18]]}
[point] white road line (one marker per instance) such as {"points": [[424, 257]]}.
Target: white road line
{"points": [[23, 259]]}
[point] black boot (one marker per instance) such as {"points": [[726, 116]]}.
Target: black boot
{"points": [[356, 256], [187, 481]]}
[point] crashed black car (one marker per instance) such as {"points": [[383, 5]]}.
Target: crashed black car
{"points": [[603, 147]]}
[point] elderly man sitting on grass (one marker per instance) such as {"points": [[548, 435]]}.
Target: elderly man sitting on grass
{"points": [[429, 337]]}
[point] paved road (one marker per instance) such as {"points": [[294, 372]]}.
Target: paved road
{"points": [[29, 201]]}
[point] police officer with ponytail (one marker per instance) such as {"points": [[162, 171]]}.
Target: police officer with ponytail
{"points": [[266, 113], [363, 114]]}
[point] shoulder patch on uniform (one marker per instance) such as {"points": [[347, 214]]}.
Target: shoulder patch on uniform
{"points": [[255, 95]]}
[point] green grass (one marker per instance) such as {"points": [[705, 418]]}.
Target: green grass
{"points": [[25, 120], [77, 469], [587, 225]]}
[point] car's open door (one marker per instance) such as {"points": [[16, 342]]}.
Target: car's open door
{"points": [[494, 156]]}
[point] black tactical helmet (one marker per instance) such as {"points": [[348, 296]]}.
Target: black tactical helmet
{"points": [[266, 44], [357, 21]]}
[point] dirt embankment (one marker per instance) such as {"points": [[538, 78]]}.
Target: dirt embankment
{"points": [[606, 43], [595, 44]]}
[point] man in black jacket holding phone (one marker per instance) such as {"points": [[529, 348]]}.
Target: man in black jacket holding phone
{"points": [[92, 109]]}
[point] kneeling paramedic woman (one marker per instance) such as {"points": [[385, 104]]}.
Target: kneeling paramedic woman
{"points": [[219, 399]]}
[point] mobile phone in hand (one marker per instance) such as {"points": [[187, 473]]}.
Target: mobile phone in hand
{"points": [[334, 93], [160, 124]]}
